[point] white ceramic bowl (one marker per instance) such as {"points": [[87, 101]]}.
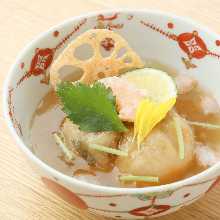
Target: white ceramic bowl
{"points": [[171, 40]]}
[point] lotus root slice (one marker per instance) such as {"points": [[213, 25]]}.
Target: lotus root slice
{"points": [[97, 66]]}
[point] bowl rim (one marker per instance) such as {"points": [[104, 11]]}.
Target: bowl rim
{"points": [[212, 171]]}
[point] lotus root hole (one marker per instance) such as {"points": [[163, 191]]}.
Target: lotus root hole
{"points": [[84, 52], [70, 73], [121, 52]]}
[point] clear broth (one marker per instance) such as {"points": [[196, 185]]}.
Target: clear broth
{"points": [[48, 117]]}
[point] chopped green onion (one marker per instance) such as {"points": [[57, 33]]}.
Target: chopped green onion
{"points": [[108, 150], [203, 124], [140, 178], [60, 142], [180, 139]]}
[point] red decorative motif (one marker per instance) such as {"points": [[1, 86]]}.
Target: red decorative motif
{"points": [[106, 22], [39, 64], [146, 211], [150, 210], [186, 195], [216, 182], [43, 58], [108, 43], [130, 17], [22, 65], [41, 61], [112, 204], [15, 122], [190, 43], [56, 33], [217, 42], [68, 36], [107, 18], [170, 25], [157, 29], [64, 193], [10, 103]]}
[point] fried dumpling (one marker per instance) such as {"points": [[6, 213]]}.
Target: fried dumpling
{"points": [[78, 141]]}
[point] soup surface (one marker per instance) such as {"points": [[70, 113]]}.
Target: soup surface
{"points": [[195, 105]]}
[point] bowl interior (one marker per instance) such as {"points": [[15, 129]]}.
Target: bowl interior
{"points": [[164, 41]]}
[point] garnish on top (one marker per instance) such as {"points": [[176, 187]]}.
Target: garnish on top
{"points": [[148, 115], [90, 107], [97, 66], [160, 97], [157, 85], [93, 108]]}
